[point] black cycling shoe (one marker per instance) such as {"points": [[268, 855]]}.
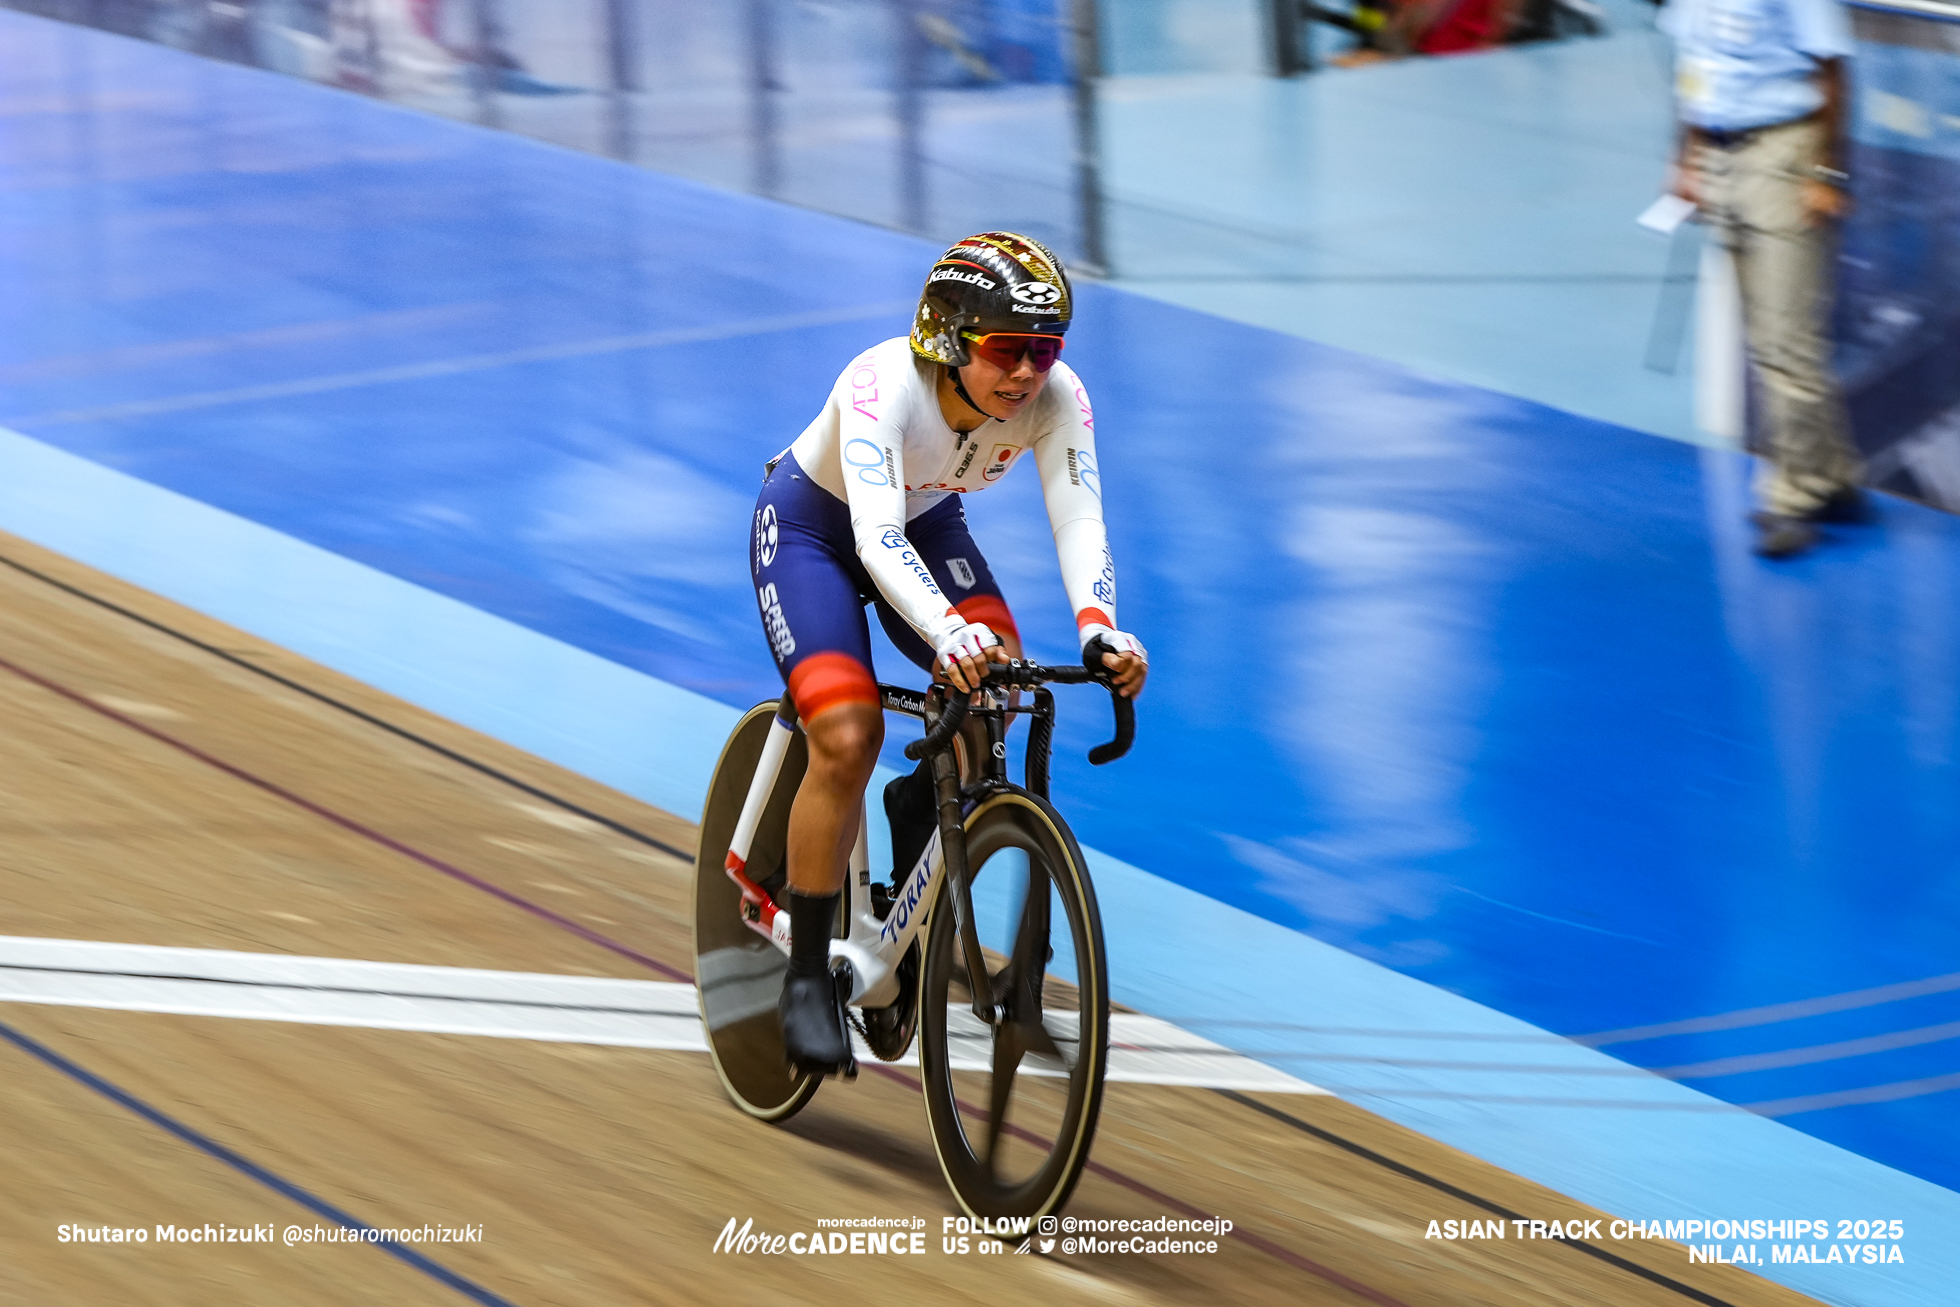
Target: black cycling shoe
{"points": [[912, 809], [1781, 537], [816, 1033], [1849, 506]]}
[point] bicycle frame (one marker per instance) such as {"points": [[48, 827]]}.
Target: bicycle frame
{"points": [[873, 946]]}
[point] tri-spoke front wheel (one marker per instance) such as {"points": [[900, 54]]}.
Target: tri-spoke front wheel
{"points": [[1013, 1102]]}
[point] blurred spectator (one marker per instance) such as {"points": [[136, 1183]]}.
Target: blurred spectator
{"points": [[1553, 20], [1391, 29], [390, 47], [203, 26], [1761, 89], [294, 37]]}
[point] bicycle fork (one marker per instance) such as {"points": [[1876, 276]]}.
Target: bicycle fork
{"points": [[952, 832]]}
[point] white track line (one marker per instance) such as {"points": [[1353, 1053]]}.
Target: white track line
{"points": [[494, 1004], [450, 367]]}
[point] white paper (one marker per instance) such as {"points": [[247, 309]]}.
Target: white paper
{"points": [[1666, 214]]}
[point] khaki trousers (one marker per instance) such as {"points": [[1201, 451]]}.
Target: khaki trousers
{"points": [[1752, 195]]}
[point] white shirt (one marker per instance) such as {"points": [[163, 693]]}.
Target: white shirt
{"points": [[882, 446]]}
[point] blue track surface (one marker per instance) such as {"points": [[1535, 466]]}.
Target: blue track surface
{"points": [[1482, 691]]}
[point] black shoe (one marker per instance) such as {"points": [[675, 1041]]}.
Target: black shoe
{"points": [[913, 814], [1781, 537], [1848, 507], [816, 1033]]}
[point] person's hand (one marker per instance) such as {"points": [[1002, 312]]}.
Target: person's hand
{"points": [[1686, 183], [968, 672], [1131, 672], [964, 655], [1823, 202], [1130, 663]]}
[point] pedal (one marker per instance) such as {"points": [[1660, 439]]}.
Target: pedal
{"points": [[848, 1071]]}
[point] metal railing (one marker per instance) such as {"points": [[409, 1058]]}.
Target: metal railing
{"points": [[1948, 10], [939, 117]]}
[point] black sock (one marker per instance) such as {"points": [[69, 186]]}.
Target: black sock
{"points": [[812, 920]]}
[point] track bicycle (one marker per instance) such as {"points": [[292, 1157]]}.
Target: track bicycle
{"points": [[1012, 1054]]}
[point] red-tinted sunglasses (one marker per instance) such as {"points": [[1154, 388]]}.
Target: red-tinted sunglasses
{"points": [[1004, 349]]}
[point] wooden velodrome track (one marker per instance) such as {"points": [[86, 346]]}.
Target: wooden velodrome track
{"points": [[157, 789]]}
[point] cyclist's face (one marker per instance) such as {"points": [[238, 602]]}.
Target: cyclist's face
{"points": [[1002, 392]]}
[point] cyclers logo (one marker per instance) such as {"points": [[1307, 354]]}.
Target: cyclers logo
{"points": [[895, 539]]}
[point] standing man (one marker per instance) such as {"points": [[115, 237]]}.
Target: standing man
{"points": [[1761, 86]]}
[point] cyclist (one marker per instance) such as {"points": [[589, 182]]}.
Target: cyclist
{"points": [[864, 508]]}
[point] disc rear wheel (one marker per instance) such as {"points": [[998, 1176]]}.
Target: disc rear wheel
{"points": [[739, 974]]}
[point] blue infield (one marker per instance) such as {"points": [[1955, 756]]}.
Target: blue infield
{"points": [[1472, 723]]}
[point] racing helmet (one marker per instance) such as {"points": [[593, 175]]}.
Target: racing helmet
{"points": [[997, 281]]}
